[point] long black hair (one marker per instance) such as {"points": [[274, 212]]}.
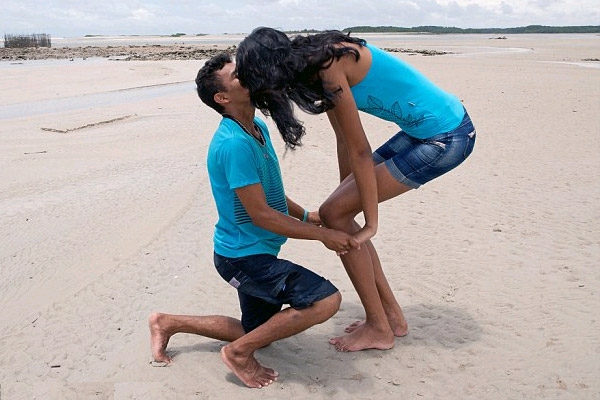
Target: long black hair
{"points": [[279, 71]]}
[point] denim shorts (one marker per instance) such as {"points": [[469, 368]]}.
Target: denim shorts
{"points": [[265, 283], [415, 162]]}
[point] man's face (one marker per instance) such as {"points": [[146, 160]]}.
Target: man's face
{"points": [[233, 89]]}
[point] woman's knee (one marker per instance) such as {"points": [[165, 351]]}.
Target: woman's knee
{"points": [[331, 213], [325, 213]]}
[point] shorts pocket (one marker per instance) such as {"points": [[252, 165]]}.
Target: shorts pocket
{"points": [[429, 151], [230, 274], [470, 144]]}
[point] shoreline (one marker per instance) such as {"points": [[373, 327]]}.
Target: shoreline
{"points": [[124, 53], [143, 53]]}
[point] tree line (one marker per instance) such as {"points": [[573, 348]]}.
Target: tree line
{"points": [[33, 40], [445, 29]]}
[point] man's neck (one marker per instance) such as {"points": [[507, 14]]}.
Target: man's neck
{"points": [[244, 117]]}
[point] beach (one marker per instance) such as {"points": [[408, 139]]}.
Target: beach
{"points": [[107, 216]]}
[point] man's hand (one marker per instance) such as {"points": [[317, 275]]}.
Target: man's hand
{"points": [[314, 218], [339, 241]]}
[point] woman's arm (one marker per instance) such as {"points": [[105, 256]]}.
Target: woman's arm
{"points": [[358, 149], [342, 151]]}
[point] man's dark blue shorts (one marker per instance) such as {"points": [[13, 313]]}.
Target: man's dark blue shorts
{"points": [[265, 283]]}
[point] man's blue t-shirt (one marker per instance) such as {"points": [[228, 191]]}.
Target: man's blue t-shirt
{"points": [[236, 159]]}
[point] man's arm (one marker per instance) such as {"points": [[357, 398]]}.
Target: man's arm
{"points": [[297, 211], [254, 201], [294, 209]]}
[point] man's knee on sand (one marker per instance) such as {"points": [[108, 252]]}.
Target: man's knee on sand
{"points": [[318, 312]]}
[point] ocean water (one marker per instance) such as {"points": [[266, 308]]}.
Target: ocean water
{"points": [[104, 41], [382, 39]]}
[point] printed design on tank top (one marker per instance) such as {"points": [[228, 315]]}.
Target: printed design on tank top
{"points": [[395, 114]]}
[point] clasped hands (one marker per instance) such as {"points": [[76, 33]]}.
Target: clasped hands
{"points": [[339, 241]]}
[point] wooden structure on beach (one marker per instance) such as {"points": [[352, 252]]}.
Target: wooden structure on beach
{"points": [[33, 40]]}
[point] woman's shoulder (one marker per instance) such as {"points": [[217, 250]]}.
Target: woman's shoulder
{"points": [[353, 68]]}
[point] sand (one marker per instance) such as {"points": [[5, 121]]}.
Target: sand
{"points": [[106, 216]]}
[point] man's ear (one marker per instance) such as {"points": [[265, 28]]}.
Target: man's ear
{"points": [[221, 98]]}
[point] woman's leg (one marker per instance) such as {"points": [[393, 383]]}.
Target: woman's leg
{"points": [[392, 308], [364, 268]]}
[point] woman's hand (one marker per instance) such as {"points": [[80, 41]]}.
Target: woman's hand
{"points": [[364, 234]]}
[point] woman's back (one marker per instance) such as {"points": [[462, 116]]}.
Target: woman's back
{"points": [[395, 91]]}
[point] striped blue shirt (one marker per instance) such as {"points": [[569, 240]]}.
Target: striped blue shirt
{"points": [[236, 159]]}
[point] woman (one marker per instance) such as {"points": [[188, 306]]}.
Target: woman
{"points": [[334, 73]]}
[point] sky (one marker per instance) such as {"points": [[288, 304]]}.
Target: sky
{"points": [[74, 18]]}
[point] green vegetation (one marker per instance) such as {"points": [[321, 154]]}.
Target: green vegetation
{"points": [[33, 40], [306, 31], [178, 34], [445, 29]]}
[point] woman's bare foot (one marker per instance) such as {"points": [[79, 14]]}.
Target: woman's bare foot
{"points": [[399, 330], [364, 337], [159, 338], [248, 369]]}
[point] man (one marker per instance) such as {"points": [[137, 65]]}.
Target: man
{"points": [[255, 218]]}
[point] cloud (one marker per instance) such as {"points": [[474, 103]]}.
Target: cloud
{"points": [[506, 9], [112, 17], [142, 14]]}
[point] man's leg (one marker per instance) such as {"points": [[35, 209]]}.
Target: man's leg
{"points": [[239, 355], [163, 326]]}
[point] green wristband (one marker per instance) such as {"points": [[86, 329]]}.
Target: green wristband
{"points": [[305, 216]]}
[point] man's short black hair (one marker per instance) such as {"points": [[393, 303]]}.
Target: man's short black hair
{"points": [[208, 83]]}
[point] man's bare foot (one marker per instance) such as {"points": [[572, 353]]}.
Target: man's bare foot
{"points": [[399, 330], [159, 338], [248, 369], [364, 337]]}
